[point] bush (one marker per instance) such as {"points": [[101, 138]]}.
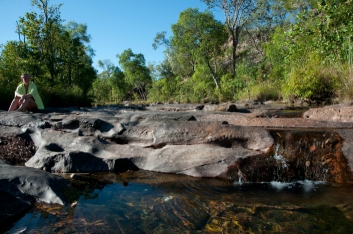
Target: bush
{"points": [[313, 81], [230, 87], [261, 92], [59, 97], [345, 72], [265, 92]]}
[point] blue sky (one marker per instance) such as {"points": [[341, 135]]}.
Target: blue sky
{"points": [[114, 25]]}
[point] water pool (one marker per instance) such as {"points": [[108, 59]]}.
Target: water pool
{"points": [[145, 202]]}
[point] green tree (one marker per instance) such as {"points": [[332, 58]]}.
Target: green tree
{"points": [[137, 75], [10, 67], [238, 13], [317, 41], [182, 64], [166, 85], [109, 87], [199, 35], [57, 57]]}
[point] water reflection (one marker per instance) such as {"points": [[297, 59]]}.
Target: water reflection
{"points": [[143, 202]]}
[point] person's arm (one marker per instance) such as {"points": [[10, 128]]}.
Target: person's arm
{"points": [[21, 93], [25, 96]]}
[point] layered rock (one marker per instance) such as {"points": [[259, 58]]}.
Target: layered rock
{"points": [[196, 140], [161, 142]]}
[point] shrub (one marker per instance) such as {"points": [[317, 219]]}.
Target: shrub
{"points": [[314, 80]]}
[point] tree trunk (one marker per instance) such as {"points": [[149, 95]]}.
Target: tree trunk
{"points": [[213, 74], [235, 40]]}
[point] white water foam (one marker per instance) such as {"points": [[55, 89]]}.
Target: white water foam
{"points": [[281, 185], [279, 157], [306, 185]]}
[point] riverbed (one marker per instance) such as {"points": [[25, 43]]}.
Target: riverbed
{"points": [[147, 202]]}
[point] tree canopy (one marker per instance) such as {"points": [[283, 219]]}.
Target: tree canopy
{"points": [[288, 50]]}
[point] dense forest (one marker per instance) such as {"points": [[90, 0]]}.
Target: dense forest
{"points": [[290, 50]]}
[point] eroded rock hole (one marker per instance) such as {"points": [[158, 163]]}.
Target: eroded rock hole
{"points": [[106, 127], [71, 125], [120, 141], [224, 143], [230, 143], [157, 146], [192, 118], [124, 165], [54, 147]]}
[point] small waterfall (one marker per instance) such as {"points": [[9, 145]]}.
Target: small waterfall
{"points": [[279, 158], [304, 156]]}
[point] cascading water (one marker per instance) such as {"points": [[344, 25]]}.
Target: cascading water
{"points": [[298, 155]]}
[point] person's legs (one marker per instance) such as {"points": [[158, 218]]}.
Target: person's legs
{"points": [[28, 104], [15, 104]]}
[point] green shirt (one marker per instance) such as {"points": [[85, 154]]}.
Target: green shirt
{"points": [[32, 89]]}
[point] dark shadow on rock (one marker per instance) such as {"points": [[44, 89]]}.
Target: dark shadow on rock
{"points": [[199, 107], [157, 146], [76, 161], [106, 127], [95, 150], [86, 162], [123, 165], [120, 141], [186, 118], [71, 124], [230, 143], [54, 147], [243, 111], [192, 118]]}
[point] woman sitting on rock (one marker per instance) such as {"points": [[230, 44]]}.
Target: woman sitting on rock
{"points": [[26, 96]]}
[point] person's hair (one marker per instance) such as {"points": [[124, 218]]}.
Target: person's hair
{"points": [[24, 74]]}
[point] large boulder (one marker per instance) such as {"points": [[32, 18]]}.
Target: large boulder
{"points": [[31, 184], [21, 186]]}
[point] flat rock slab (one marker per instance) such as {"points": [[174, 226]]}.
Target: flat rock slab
{"points": [[334, 113]]}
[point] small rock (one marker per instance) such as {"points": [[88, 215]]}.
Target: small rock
{"points": [[232, 108]]}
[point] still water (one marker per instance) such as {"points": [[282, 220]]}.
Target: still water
{"points": [[144, 202]]}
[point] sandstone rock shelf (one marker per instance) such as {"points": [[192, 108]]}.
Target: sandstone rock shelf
{"points": [[249, 143]]}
